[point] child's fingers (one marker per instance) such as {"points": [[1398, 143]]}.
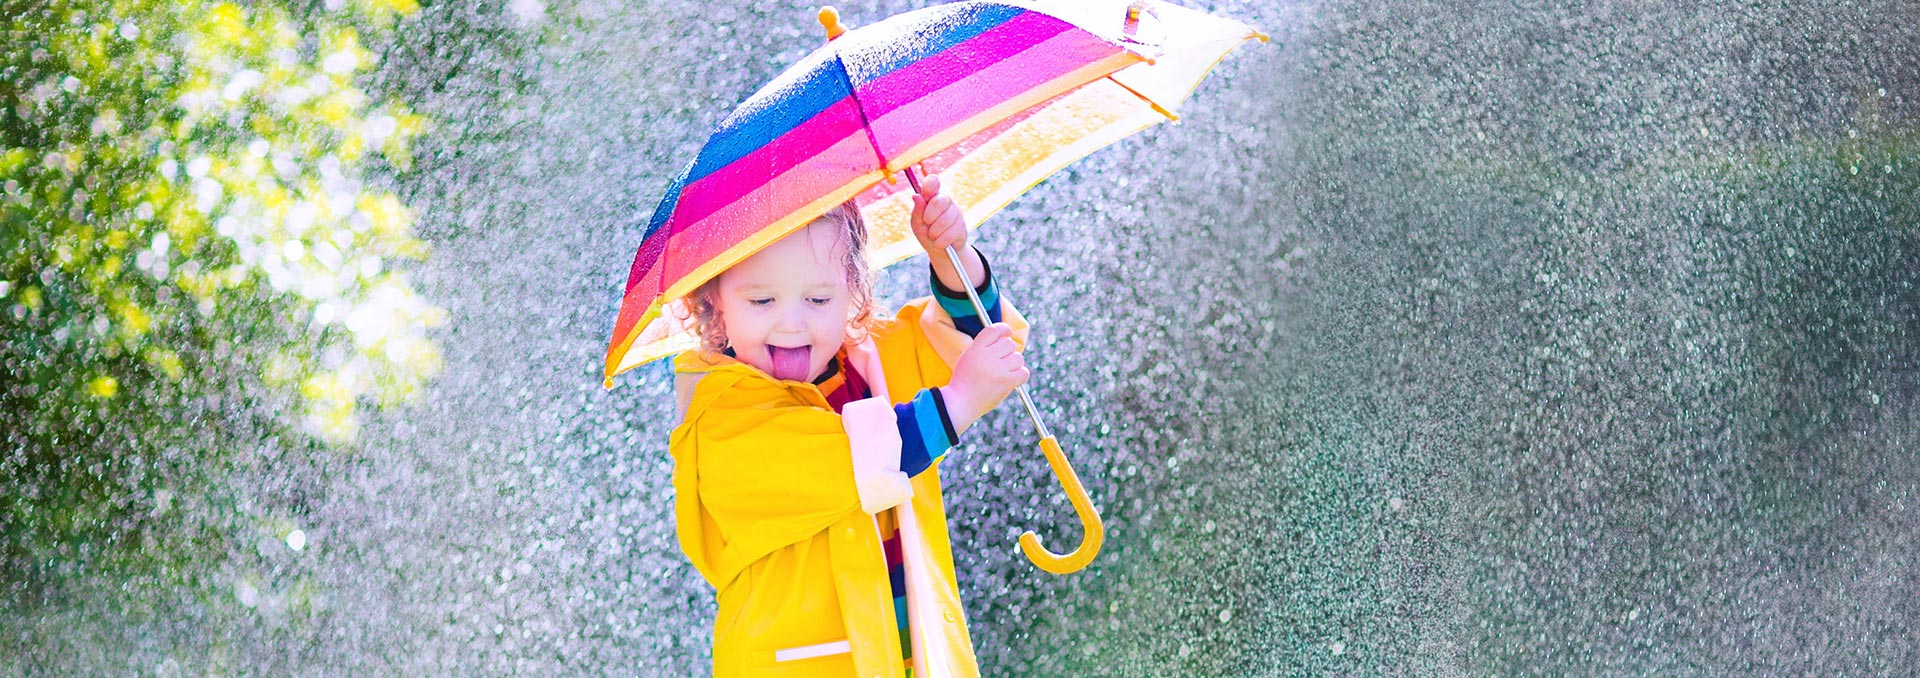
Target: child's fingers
{"points": [[992, 333], [943, 235], [933, 209], [1001, 349], [946, 224], [930, 185], [995, 341]]}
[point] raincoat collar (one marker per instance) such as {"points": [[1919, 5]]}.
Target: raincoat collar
{"points": [[692, 366]]}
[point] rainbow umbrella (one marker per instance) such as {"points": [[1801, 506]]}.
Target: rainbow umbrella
{"points": [[992, 96]]}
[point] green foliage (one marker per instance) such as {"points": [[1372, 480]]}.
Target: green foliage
{"points": [[192, 260]]}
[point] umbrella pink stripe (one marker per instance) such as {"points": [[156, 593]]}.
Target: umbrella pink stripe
{"points": [[643, 284], [715, 191], [1006, 41], [902, 127], [831, 169]]}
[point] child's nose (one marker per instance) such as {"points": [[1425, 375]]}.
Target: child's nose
{"points": [[791, 318]]}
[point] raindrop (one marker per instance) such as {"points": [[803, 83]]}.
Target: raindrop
{"points": [[1226, 615], [1207, 528], [248, 595], [1338, 648], [297, 540]]}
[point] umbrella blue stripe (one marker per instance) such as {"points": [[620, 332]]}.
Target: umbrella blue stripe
{"points": [[939, 30], [772, 112]]}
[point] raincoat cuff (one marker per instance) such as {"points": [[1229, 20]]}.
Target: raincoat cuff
{"points": [[874, 440], [926, 431], [960, 308]]}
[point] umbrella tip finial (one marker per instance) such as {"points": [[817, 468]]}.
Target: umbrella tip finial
{"points": [[608, 384], [830, 20]]}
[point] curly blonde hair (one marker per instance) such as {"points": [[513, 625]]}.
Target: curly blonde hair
{"points": [[703, 305]]}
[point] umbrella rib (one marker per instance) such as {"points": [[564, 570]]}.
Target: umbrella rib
{"points": [[866, 124], [1150, 102]]}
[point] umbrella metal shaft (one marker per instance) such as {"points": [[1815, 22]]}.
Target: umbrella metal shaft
{"points": [[981, 308], [913, 179]]}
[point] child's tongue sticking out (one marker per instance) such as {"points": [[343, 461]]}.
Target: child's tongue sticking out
{"points": [[790, 364]]}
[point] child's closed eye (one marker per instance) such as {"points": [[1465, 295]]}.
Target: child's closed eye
{"points": [[760, 302], [819, 301]]}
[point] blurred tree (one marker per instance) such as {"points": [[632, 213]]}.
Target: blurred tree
{"points": [[193, 266]]}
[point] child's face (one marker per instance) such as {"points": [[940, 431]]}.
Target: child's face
{"points": [[785, 308]]}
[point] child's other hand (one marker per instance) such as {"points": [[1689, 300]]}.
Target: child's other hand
{"points": [[938, 222], [990, 368]]}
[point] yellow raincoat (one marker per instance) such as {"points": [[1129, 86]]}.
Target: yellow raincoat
{"points": [[776, 497]]}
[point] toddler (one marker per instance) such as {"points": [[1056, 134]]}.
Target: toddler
{"points": [[806, 458]]}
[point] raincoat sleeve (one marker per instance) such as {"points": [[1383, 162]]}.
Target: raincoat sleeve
{"points": [[959, 307], [920, 345], [769, 470]]}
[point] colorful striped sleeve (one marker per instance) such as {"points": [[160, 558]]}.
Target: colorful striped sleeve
{"points": [[926, 431], [960, 308]]}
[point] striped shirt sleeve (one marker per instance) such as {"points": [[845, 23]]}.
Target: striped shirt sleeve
{"points": [[960, 308], [926, 431]]}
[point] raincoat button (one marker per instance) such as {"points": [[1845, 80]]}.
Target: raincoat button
{"points": [[848, 534], [949, 616]]}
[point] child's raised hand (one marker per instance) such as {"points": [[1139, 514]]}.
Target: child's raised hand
{"points": [[989, 369], [939, 223]]}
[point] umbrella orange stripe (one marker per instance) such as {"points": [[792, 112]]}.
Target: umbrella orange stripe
{"points": [[954, 133], [701, 198], [636, 307]]}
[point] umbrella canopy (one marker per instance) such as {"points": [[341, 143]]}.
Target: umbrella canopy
{"points": [[992, 96]]}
